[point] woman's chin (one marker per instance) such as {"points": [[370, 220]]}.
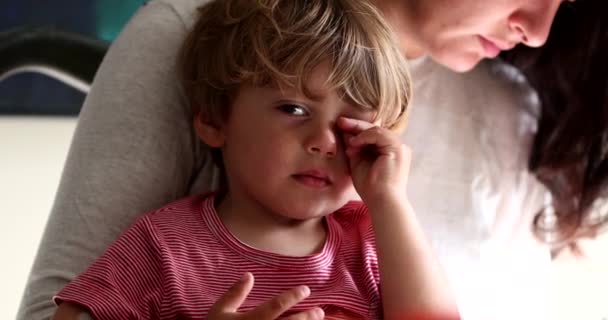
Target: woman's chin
{"points": [[459, 63]]}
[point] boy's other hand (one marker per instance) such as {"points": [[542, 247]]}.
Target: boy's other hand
{"points": [[379, 162], [226, 307]]}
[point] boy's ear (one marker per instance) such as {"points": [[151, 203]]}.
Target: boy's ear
{"points": [[211, 135]]}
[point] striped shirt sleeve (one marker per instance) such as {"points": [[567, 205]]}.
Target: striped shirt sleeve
{"points": [[126, 282]]}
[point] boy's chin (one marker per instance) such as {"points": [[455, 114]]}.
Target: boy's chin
{"points": [[310, 212]]}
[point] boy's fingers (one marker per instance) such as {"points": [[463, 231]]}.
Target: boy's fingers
{"points": [[353, 126], [313, 314], [235, 296], [374, 136], [273, 308]]}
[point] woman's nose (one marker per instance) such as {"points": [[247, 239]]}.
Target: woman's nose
{"points": [[323, 142], [533, 27]]}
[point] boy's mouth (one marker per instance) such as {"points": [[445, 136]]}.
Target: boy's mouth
{"points": [[313, 178]]}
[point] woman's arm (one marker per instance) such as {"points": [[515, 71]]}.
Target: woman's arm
{"points": [[133, 150]]}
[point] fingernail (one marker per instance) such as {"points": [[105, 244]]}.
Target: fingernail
{"points": [[304, 291], [319, 313], [245, 276]]}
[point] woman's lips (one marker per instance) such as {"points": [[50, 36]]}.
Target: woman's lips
{"points": [[491, 50]]}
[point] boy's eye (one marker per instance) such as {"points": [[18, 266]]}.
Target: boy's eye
{"points": [[293, 109]]}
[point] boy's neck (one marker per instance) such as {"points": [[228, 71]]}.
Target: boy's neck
{"points": [[271, 232]]}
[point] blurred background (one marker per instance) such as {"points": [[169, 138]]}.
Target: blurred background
{"points": [[31, 93], [38, 115]]}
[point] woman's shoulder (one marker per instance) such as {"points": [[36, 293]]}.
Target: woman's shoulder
{"points": [[510, 118], [160, 17], [185, 10], [521, 102]]}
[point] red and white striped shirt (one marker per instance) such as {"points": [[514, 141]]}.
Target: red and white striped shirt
{"points": [[175, 263]]}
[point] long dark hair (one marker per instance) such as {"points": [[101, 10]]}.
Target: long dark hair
{"points": [[570, 152]]}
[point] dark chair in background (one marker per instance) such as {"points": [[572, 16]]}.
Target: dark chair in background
{"points": [[68, 57]]}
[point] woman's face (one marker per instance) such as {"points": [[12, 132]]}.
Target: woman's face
{"points": [[459, 33]]}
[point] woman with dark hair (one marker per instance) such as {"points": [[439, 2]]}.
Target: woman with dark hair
{"points": [[570, 151]]}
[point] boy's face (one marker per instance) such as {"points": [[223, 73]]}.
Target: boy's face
{"points": [[282, 152]]}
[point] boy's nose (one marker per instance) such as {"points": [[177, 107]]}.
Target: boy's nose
{"points": [[323, 143]]}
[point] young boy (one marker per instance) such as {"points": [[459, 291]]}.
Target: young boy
{"points": [[301, 101]]}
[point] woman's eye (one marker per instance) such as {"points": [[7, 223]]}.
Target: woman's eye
{"points": [[293, 109]]}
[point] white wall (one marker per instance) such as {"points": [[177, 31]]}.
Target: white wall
{"points": [[32, 153]]}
